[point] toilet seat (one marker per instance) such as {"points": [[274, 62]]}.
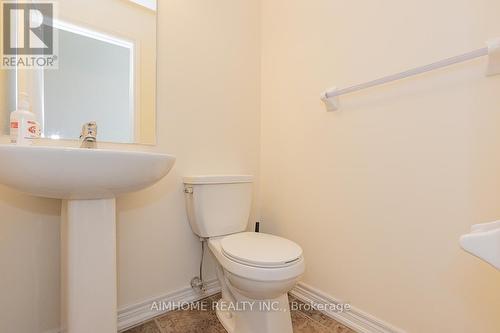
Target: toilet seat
{"points": [[269, 273], [260, 250]]}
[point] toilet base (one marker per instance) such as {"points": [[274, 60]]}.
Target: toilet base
{"points": [[255, 316], [225, 317]]}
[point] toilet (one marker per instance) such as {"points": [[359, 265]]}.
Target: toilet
{"points": [[256, 270]]}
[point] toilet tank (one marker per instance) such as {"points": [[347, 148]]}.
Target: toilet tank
{"points": [[218, 205]]}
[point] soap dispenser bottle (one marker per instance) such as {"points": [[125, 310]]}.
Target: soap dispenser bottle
{"points": [[23, 124]]}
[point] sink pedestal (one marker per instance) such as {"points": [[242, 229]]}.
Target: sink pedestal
{"points": [[87, 180], [88, 266]]}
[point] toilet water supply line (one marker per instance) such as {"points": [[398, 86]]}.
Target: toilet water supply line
{"points": [[197, 282]]}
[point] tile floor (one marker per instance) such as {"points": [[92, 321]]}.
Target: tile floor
{"points": [[197, 321]]}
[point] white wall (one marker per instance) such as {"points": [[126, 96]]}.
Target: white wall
{"points": [[378, 193], [208, 117]]}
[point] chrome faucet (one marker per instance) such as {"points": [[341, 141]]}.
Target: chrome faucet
{"points": [[88, 137]]}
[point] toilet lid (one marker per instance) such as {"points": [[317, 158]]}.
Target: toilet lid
{"points": [[261, 250]]}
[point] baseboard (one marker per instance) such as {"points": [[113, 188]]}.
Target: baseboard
{"points": [[356, 319], [135, 314], [55, 330]]}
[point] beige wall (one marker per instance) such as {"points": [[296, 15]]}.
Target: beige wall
{"points": [[7, 103], [29, 263], [378, 193], [208, 117], [4, 108], [4, 113]]}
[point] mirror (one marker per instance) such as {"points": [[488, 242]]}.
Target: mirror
{"points": [[104, 69]]}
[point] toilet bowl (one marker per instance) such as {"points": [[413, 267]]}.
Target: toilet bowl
{"points": [[255, 270], [256, 283]]}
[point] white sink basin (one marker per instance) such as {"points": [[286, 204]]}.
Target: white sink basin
{"points": [[73, 173], [88, 180], [484, 242]]}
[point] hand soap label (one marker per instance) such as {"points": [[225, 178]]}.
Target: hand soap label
{"points": [[32, 130], [14, 131], [23, 132]]}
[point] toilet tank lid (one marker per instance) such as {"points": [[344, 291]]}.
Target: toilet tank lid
{"points": [[218, 179]]}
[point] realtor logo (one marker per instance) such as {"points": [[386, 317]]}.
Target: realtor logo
{"points": [[28, 34]]}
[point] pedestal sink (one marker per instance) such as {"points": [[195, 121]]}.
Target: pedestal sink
{"points": [[88, 181]]}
